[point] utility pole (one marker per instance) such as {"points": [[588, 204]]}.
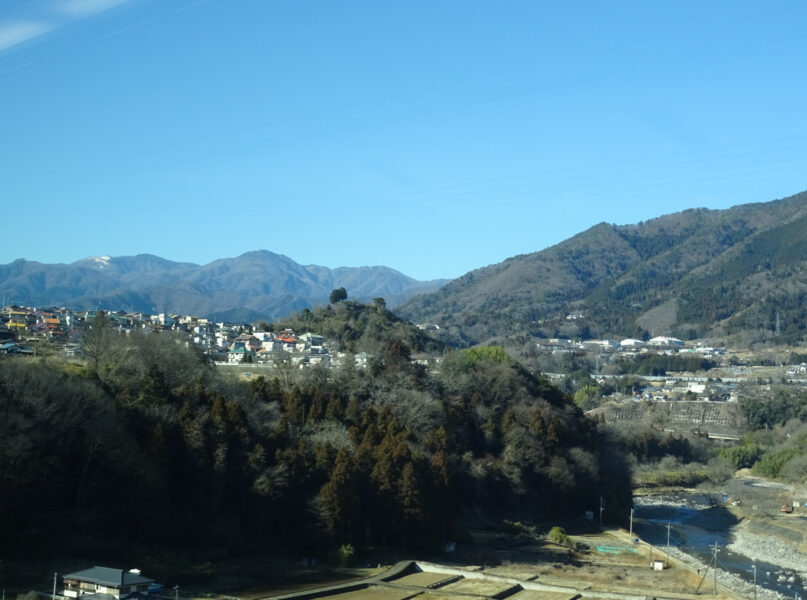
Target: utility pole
{"points": [[54, 586], [715, 549], [712, 564], [668, 544], [631, 525], [602, 508]]}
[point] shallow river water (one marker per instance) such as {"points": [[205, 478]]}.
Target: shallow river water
{"points": [[695, 526]]}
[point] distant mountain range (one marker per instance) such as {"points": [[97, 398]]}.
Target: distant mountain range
{"points": [[255, 285], [740, 272]]}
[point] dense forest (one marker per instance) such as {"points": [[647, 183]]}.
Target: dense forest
{"points": [[144, 445]]}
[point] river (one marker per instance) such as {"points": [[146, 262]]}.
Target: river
{"points": [[696, 523]]}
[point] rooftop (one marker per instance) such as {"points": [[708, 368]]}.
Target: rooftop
{"points": [[108, 576]]}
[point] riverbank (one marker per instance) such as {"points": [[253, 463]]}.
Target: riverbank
{"points": [[726, 579], [743, 517], [768, 548]]}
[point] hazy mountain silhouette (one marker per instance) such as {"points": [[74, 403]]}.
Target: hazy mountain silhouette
{"points": [[258, 284]]}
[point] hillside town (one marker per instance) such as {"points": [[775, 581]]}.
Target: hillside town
{"points": [[25, 331]]}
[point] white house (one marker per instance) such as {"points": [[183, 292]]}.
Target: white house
{"points": [[264, 336], [96, 581], [313, 339]]}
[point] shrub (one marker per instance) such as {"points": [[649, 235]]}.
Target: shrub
{"points": [[345, 554], [772, 463], [558, 536], [670, 472], [741, 456], [519, 528]]}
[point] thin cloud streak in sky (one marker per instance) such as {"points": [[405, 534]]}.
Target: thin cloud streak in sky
{"points": [[120, 31], [17, 68], [85, 8], [18, 32], [191, 5]]}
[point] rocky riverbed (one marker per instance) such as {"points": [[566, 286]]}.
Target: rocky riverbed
{"points": [[770, 549], [745, 538], [727, 579]]}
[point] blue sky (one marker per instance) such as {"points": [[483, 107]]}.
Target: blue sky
{"points": [[431, 137]]}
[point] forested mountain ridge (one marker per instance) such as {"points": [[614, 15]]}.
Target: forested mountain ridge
{"points": [[691, 274], [146, 453], [259, 284]]}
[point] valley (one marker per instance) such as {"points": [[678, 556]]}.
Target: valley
{"points": [[403, 301], [344, 433]]}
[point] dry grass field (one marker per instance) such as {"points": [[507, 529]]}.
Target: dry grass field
{"points": [[374, 593], [478, 587], [423, 579]]}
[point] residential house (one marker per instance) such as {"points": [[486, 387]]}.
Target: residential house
{"points": [[201, 341], [72, 349], [218, 354], [163, 320], [188, 321], [47, 322], [106, 583], [318, 359], [137, 319], [797, 371], [312, 339], [287, 335], [239, 352], [17, 320], [9, 347], [249, 341], [318, 356]]}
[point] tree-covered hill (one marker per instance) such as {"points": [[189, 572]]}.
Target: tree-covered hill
{"points": [[146, 452], [691, 274], [357, 327]]}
